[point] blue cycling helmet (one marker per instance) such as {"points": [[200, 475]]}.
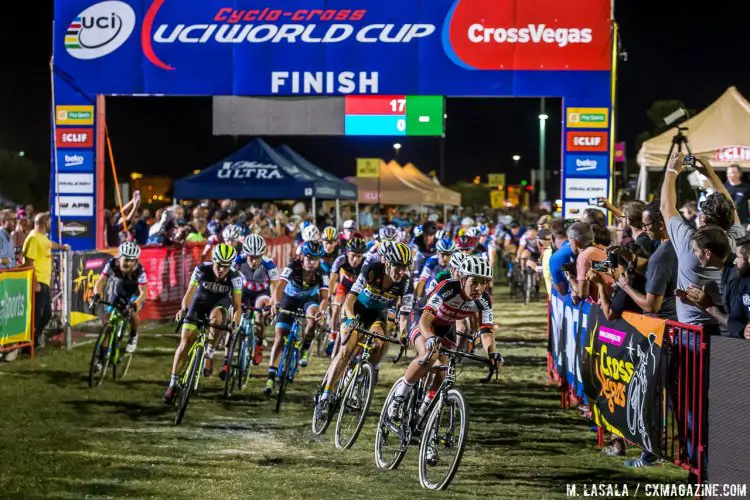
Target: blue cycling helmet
{"points": [[313, 249], [446, 245]]}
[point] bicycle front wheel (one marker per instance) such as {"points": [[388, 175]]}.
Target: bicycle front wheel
{"points": [[96, 377], [354, 406], [283, 376], [188, 382], [390, 447], [231, 374], [443, 441]]}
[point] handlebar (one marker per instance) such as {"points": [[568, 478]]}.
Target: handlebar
{"points": [[393, 340], [201, 324], [296, 314], [125, 309]]}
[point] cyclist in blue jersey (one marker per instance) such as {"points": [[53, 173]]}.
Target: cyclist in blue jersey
{"points": [[378, 288], [452, 272], [207, 299], [260, 277], [435, 264], [306, 289], [309, 233], [330, 239]]}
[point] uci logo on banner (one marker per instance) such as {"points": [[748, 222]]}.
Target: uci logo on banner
{"points": [[99, 30]]}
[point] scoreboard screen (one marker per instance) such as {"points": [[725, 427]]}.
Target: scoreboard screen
{"points": [[395, 115]]}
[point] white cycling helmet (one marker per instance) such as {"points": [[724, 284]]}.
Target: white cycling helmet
{"points": [[350, 225], [446, 245], [231, 233], [311, 233], [457, 259], [254, 245], [129, 250], [473, 232], [387, 233], [476, 266], [418, 231], [440, 234]]}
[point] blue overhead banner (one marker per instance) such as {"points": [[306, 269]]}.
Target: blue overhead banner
{"points": [[274, 47], [462, 48]]}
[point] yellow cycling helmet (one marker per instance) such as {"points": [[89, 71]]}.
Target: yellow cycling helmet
{"points": [[330, 234]]}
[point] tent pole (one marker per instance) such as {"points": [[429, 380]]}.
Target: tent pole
{"points": [[356, 211], [338, 214], [314, 213]]}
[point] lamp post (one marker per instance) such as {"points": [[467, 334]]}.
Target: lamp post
{"points": [[516, 159], [396, 148], [543, 116]]}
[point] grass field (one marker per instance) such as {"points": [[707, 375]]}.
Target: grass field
{"points": [[61, 439]]}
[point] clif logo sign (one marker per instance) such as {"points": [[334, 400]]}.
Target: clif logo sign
{"points": [[100, 30], [529, 35], [586, 141], [75, 137]]}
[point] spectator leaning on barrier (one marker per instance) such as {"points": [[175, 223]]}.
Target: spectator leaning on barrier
{"points": [[700, 253], [37, 252], [544, 237], [562, 260], [581, 238], [7, 249]]}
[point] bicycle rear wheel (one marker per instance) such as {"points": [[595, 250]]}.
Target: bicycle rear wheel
{"points": [[354, 407], [441, 436], [244, 360], [283, 376], [230, 376], [96, 378], [389, 447], [188, 383]]}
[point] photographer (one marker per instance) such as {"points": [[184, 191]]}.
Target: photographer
{"points": [[581, 238], [620, 266]]}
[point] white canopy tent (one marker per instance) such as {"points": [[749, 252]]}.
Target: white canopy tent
{"points": [[721, 132]]}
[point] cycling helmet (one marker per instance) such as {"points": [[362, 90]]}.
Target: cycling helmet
{"points": [[129, 250], [418, 230], [476, 266], [231, 233], [457, 259], [402, 235], [440, 234], [483, 230], [473, 232], [223, 254], [387, 233], [254, 245], [313, 249], [446, 246], [398, 254], [350, 225], [356, 245], [330, 234], [465, 242], [310, 233]]}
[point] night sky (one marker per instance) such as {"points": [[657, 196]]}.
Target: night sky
{"points": [[676, 50]]}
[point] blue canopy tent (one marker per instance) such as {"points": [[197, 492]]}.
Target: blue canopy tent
{"points": [[255, 172], [346, 190]]}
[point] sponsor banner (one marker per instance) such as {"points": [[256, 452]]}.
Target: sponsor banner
{"points": [[74, 206], [495, 180], [75, 183], [454, 47], [74, 115], [595, 165], [621, 375], [586, 188], [586, 141], [620, 152], [568, 327], [87, 269], [497, 199], [732, 153], [74, 137], [587, 118], [16, 306], [76, 228], [75, 160], [368, 167], [574, 209]]}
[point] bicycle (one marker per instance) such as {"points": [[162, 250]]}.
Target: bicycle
{"points": [[117, 326], [358, 389], [290, 356], [420, 423], [240, 366], [191, 373]]}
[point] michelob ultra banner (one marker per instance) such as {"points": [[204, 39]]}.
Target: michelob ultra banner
{"points": [[621, 372], [16, 306]]}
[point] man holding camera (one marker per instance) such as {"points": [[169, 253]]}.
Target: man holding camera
{"points": [[581, 238]]}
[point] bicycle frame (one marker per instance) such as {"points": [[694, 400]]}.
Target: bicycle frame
{"points": [[292, 339], [200, 341]]}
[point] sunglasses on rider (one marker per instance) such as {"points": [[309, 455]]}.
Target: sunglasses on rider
{"points": [[222, 267]]}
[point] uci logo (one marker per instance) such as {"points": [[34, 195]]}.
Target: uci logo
{"points": [[100, 29]]}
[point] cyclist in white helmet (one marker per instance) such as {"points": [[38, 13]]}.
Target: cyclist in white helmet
{"points": [[129, 287], [231, 235], [309, 233], [434, 322]]}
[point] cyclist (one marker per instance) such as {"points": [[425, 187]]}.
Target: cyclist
{"points": [[330, 244], [230, 235], [207, 299], [260, 278], [306, 289], [434, 322], [436, 263], [309, 233], [130, 286], [347, 231], [344, 273], [528, 249], [385, 233], [452, 272], [424, 246], [475, 233], [379, 287]]}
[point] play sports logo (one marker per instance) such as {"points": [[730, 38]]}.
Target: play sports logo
{"points": [[529, 34], [100, 29]]}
